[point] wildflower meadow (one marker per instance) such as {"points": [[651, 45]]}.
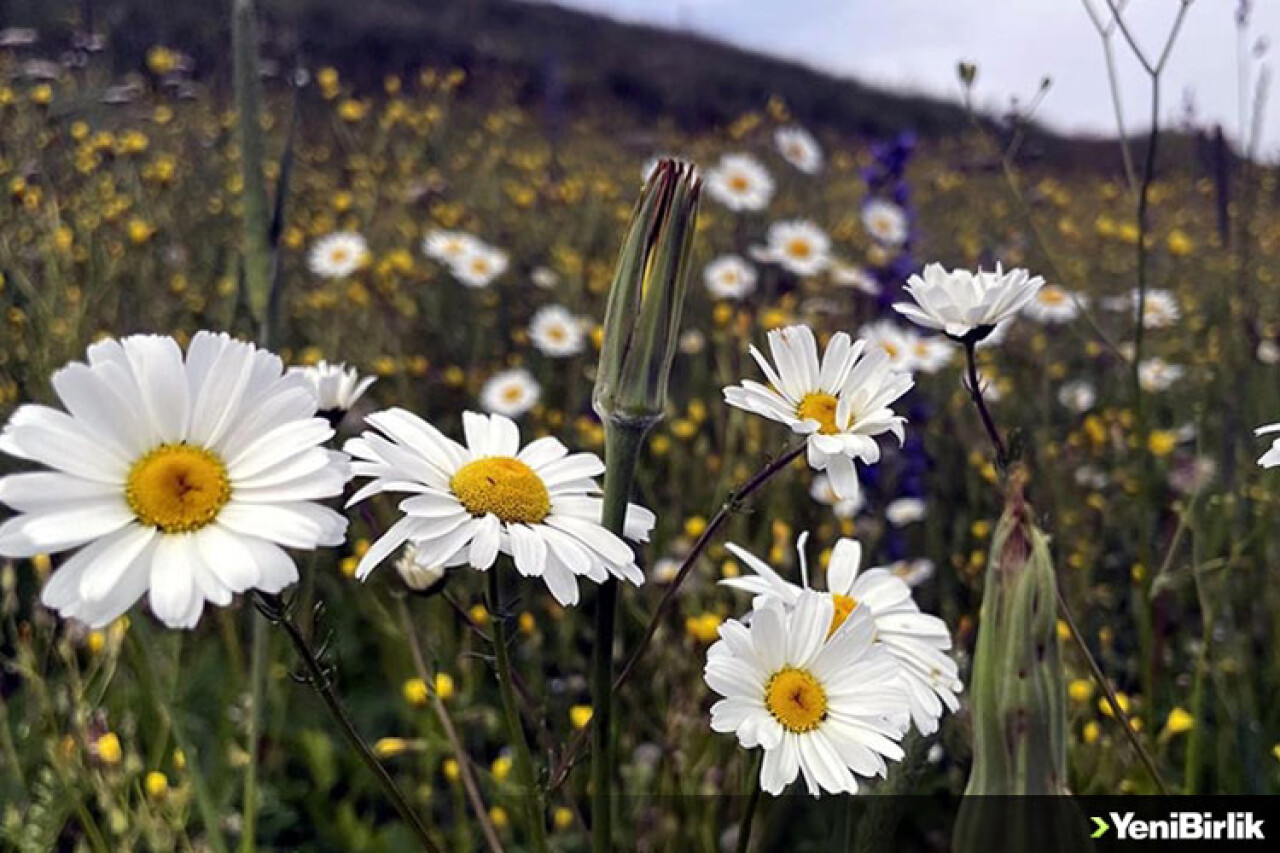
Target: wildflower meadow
{"points": [[400, 456]]}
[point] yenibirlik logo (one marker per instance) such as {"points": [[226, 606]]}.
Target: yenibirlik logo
{"points": [[1182, 826]]}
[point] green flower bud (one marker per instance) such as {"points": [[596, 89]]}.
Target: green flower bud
{"points": [[642, 320]]}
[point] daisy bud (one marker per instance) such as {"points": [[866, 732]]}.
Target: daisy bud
{"points": [[642, 321], [1018, 689]]}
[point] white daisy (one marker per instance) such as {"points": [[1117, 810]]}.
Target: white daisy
{"points": [[448, 246], [822, 705], [539, 504], [886, 222], [1160, 310], [964, 304], [556, 332], [841, 403], [178, 477], [798, 246], [1077, 395], [917, 640], [740, 182], [849, 275], [510, 393], [1053, 304], [729, 277], [798, 147], [1156, 374], [822, 492], [1268, 352], [479, 265], [337, 387], [338, 255]]}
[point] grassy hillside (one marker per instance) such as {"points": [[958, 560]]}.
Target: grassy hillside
{"points": [[562, 60]]}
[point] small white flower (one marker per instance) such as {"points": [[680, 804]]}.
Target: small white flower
{"points": [[336, 386], [539, 504], [1054, 304], [480, 265], [918, 641], [338, 255], [510, 393], [913, 572], [841, 403], [961, 303], [665, 570], [890, 338], [931, 353], [825, 706], [822, 492], [448, 246], [1268, 352], [740, 182], [1156, 374], [556, 332], [729, 277], [798, 246], [544, 277], [904, 511], [886, 222], [181, 477], [798, 147], [415, 575], [1078, 395], [848, 275]]}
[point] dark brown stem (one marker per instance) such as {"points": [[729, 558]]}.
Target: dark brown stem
{"points": [[975, 393]]}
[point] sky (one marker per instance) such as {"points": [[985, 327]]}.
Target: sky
{"points": [[914, 45]]}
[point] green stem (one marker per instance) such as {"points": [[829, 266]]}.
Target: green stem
{"points": [[257, 689], [515, 728], [273, 609], [1101, 680], [732, 504], [753, 800], [623, 441]]}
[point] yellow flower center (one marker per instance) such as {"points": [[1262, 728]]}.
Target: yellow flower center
{"points": [[479, 266], [512, 394], [1052, 296], [844, 605], [504, 486], [799, 248], [339, 256], [177, 488], [796, 700], [821, 407], [890, 348], [739, 183], [557, 334]]}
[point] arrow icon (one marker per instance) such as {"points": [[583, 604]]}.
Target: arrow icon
{"points": [[1102, 825]]}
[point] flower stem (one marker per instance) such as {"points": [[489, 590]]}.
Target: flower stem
{"points": [[274, 610], [975, 393], [623, 440], [446, 722], [1096, 671], [753, 800], [257, 679], [515, 728], [730, 505]]}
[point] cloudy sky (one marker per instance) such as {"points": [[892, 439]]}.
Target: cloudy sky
{"points": [[915, 44]]}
